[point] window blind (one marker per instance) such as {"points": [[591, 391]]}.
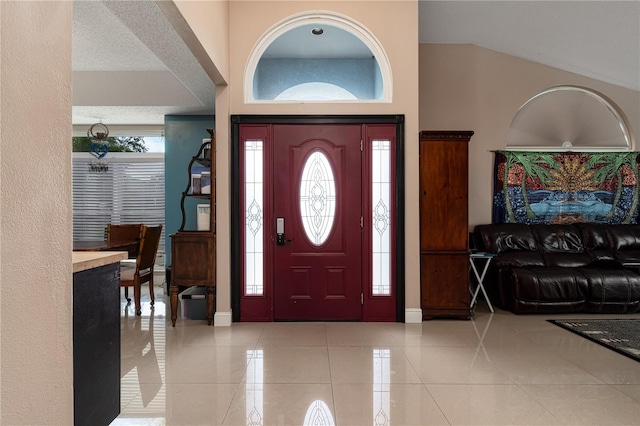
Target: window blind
{"points": [[130, 190]]}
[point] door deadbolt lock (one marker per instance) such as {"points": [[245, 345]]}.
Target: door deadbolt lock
{"points": [[280, 240]]}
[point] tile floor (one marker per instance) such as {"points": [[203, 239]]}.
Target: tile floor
{"points": [[497, 369]]}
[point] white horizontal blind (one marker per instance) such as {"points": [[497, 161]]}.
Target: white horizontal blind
{"points": [[130, 191]]}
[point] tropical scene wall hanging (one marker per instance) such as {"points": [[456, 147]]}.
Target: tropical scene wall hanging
{"points": [[567, 187]]}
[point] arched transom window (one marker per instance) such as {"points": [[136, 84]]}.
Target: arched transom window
{"points": [[318, 57], [570, 118]]}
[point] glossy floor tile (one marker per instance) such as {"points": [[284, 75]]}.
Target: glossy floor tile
{"points": [[497, 369]]}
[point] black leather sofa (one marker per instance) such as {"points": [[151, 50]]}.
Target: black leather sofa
{"points": [[562, 268]]}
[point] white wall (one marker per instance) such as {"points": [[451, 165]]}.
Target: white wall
{"points": [[36, 364]]}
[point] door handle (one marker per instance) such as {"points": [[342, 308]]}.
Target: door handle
{"points": [[280, 240]]}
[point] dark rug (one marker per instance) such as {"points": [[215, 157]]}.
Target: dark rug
{"points": [[620, 335]]}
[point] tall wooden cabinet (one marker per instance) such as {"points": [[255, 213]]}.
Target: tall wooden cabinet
{"points": [[444, 224], [193, 253]]}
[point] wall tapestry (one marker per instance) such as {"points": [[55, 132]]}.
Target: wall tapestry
{"points": [[565, 187]]}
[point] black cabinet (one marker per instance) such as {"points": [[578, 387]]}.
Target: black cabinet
{"points": [[96, 345]]}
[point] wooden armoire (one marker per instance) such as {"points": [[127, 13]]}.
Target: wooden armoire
{"points": [[444, 224]]}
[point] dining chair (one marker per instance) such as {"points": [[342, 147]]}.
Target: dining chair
{"points": [[142, 271], [124, 233]]}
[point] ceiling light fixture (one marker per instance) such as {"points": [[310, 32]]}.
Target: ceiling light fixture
{"points": [[317, 31]]}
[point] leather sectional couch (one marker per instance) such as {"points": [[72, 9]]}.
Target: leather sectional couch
{"points": [[562, 268]]}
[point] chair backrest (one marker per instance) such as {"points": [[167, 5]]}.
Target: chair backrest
{"points": [[125, 232], [149, 242]]}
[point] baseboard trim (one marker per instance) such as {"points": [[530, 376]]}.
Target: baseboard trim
{"points": [[222, 319], [413, 315]]}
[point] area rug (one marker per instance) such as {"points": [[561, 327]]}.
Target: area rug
{"points": [[620, 335]]}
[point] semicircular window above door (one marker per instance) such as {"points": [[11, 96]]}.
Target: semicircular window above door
{"points": [[317, 56], [317, 198]]}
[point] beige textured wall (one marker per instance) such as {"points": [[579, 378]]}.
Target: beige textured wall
{"points": [[209, 21], [465, 87], [36, 363], [248, 21]]}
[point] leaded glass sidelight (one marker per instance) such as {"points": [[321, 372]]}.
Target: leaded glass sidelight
{"points": [[318, 414], [381, 204], [317, 198], [253, 217], [254, 388], [381, 387]]}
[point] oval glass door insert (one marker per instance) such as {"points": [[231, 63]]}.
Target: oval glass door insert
{"points": [[317, 198]]}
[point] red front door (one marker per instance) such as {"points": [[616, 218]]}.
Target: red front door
{"points": [[318, 203]]}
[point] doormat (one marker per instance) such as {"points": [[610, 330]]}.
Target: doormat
{"points": [[620, 335]]}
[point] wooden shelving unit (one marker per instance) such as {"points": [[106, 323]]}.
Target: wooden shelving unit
{"points": [[193, 252]]}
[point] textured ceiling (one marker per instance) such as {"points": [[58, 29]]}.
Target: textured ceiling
{"points": [[131, 67]]}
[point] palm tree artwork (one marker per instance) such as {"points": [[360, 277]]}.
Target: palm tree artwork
{"points": [[612, 165], [535, 165], [566, 187]]}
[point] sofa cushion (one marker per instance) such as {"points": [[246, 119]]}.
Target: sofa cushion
{"points": [[623, 237], [596, 241], [627, 257], [561, 245], [594, 236], [624, 241], [567, 260], [546, 289], [506, 237], [558, 238], [606, 264], [611, 290], [518, 259]]}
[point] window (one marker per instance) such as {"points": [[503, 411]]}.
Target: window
{"points": [[254, 214], [317, 198], [315, 91], [318, 57], [129, 190], [381, 218]]}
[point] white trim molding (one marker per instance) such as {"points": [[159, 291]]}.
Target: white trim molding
{"points": [[80, 130], [222, 319], [413, 316]]}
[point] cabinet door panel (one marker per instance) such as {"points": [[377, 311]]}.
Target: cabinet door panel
{"points": [[445, 285], [193, 259], [443, 196]]}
